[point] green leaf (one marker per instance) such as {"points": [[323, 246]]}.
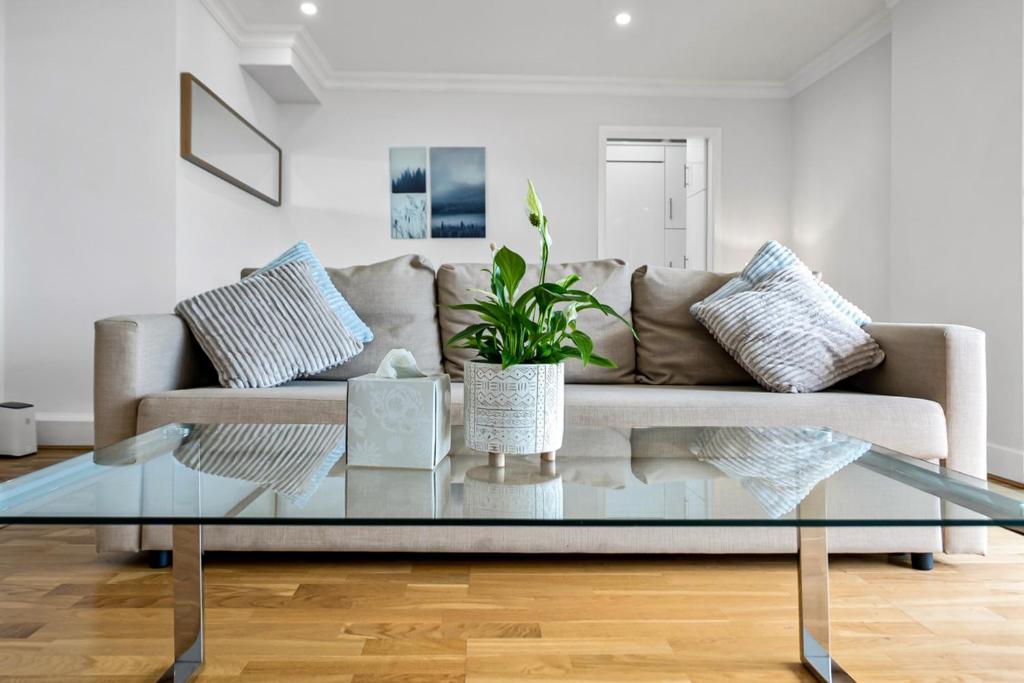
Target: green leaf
{"points": [[568, 281], [470, 331], [512, 268], [584, 343], [602, 362]]}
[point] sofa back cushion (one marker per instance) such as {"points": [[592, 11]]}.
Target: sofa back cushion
{"points": [[674, 348], [396, 299], [611, 338]]}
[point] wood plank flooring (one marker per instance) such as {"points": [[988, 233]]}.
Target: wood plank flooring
{"points": [[67, 614]]}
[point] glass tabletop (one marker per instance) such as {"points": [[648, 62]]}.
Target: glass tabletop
{"points": [[660, 476]]}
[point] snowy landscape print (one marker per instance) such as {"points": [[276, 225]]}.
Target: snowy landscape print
{"points": [[408, 216], [457, 192], [408, 170]]}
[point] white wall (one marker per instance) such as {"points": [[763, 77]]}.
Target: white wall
{"points": [[841, 159], [3, 211], [91, 94], [220, 228], [956, 247], [336, 168]]}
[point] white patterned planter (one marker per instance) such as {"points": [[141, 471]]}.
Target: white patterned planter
{"points": [[517, 411]]}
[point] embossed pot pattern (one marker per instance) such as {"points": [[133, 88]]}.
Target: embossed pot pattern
{"points": [[518, 410]]}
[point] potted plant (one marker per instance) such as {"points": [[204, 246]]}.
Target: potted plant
{"points": [[514, 389]]}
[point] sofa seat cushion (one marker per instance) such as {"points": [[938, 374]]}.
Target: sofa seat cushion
{"points": [[913, 426], [302, 402]]}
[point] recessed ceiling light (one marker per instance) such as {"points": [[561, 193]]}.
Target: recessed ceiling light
{"points": [[623, 18], [308, 8]]}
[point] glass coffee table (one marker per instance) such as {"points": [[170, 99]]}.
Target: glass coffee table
{"points": [[188, 476]]}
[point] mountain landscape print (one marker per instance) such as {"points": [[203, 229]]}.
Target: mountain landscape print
{"points": [[458, 206], [408, 170], [408, 192]]}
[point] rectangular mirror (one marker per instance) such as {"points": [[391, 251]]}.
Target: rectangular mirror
{"points": [[217, 139]]}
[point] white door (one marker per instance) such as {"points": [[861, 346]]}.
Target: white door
{"points": [[635, 203], [696, 232], [675, 249], [696, 203], [696, 166], [675, 187]]}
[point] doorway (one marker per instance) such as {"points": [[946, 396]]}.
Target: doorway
{"points": [[656, 197]]}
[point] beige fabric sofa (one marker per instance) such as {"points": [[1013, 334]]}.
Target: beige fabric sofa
{"points": [[927, 400]]}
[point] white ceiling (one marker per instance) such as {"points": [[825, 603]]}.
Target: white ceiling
{"points": [[691, 40]]}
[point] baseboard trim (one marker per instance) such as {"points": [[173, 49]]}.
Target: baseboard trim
{"points": [[1006, 463], [64, 429]]}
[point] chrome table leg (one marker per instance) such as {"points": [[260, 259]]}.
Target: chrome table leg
{"points": [[812, 569], [188, 604]]}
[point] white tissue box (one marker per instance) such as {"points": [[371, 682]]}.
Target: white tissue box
{"points": [[375, 493], [399, 422]]}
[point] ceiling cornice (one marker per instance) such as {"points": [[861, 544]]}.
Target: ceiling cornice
{"points": [[298, 39], [845, 49], [551, 85]]}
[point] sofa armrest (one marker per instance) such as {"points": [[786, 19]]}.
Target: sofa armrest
{"points": [[945, 364], [941, 363], [136, 356]]}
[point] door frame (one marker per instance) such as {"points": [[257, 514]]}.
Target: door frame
{"points": [[714, 138]]}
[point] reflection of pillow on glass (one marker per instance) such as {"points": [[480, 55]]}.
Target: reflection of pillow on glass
{"points": [[291, 460], [778, 465]]}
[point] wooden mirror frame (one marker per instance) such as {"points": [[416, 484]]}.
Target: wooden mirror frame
{"points": [[187, 81]]}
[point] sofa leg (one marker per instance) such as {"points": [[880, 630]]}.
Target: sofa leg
{"points": [[922, 561], [159, 559]]}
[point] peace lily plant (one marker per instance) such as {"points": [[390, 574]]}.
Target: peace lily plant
{"points": [[538, 326], [514, 390]]}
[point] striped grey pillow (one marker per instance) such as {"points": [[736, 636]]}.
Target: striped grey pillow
{"points": [[779, 466], [269, 328], [289, 459], [788, 335]]}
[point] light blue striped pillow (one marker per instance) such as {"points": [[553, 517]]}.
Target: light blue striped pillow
{"points": [[770, 259], [302, 252]]}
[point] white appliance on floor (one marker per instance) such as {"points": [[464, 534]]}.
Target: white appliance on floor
{"points": [[17, 429]]}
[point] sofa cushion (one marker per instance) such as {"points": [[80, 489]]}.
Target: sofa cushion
{"points": [[673, 347], [611, 338], [301, 252], [914, 426], [770, 259], [396, 299], [269, 328], [788, 335]]}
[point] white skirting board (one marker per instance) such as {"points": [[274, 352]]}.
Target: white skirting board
{"points": [[65, 429], [1007, 463]]}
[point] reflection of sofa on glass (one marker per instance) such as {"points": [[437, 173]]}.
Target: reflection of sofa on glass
{"points": [[926, 400]]}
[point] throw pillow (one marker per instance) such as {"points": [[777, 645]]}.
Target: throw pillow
{"points": [[769, 259], [269, 328], [779, 466], [338, 303], [788, 335], [290, 459]]}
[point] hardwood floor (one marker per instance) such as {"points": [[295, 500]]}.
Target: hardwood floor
{"points": [[67, 614]]}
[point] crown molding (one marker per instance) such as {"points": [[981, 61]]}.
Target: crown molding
{"points": [[551, 85], [311, 59], [849, 46]]}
